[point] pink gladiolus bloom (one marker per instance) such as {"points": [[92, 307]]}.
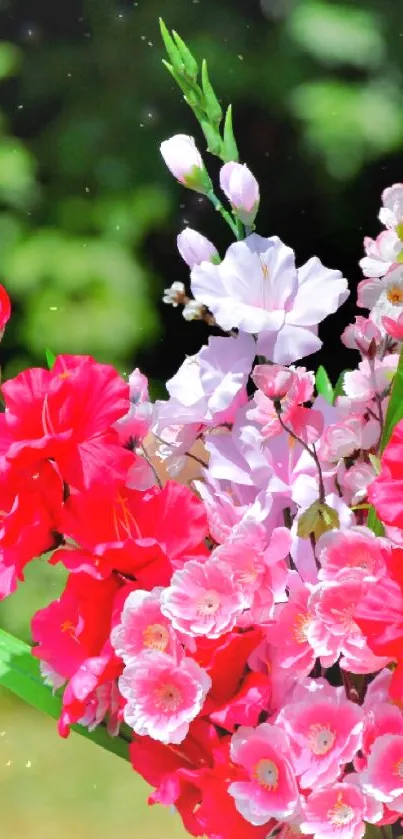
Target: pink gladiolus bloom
{"points": [[185, 162], [269, 789], [195, 248], [355, 549], [381, 253], [203, 599], [143, 626], [163, 695], [383, 778], [241, 189], [325, 732], [339, 812], [258, 289], [363, 335]]}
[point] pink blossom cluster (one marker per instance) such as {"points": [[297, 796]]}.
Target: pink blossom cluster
{"points": [[244, 632]]}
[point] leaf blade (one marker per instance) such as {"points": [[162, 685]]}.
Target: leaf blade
{"points": [[323, 385]]}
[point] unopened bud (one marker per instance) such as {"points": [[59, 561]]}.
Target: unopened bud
{"points": [[363, 335], [194, 248], [273, 380], [185, 162], [241, 189]]}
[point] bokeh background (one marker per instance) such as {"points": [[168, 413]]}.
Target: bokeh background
{"points": [[88, 220]]}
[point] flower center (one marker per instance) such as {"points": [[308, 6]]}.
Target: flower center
{"points": [[168, 697], [266, 773], [300, 627], [156, 637], [321, 738], [360, 558], [209, 603], [395, 295], [341, 813], [398, 768]]}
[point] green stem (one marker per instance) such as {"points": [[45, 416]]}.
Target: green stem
{"points": [[225, 214]]}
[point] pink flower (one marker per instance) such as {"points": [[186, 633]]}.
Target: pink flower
{"points": [[394, 327], [241, 189], [163, 695], [391, 214], [203, 599], [325, 732], [352, 434], [363, 335], [383, 778], [355, 549], [361, 385], [289, 633], [269, 789], [294, 386], [185, 162], [333, 631], [258, 289], [384, 297], [381, 253], [142, 626], [194, 248], [274, 380], [355, 482], [338, 812]]}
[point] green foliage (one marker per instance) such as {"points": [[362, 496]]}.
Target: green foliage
{"points": [[323, 385]]}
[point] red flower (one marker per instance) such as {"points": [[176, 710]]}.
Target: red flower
{"points": [[5, 309], [66, 414], [386, 492]]}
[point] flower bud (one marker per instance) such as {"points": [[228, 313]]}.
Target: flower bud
{"points": [[363, 335], [195, 248], [241, 189], [273, 380], [393, 327], [185, 162], [175, 295]]}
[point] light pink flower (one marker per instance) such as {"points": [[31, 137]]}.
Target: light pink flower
{"points": [[352, 434], [338, 812], [355, 549], [258, 289], [332, 630], [362, 335], [381, 253], [270, 790], [274, 380], [295, 385], [383, 777], [355, 482], [143, 626], [360, 385], [194, 248], [203, 599], [391, 214], [241, 189], [163, 695], [384, 297], [185, 162], [325, 731]]}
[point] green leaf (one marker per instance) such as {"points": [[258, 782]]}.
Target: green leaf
{"points": [[338, 389], [230, 148], [190, 63], [171, 48], [9, 59], [50, 358], [393, 415], [323, 385], [212, 105], [20, 673], [214, 142]]}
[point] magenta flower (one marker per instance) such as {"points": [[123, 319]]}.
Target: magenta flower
{"points": [[339, 812], [257, 289], [143, 626], [383, 778], [163, 695], [270, 789]]}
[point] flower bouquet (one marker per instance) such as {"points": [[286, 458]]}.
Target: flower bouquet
{"points": [[237, 633]]}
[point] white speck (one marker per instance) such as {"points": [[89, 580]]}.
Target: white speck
{"points": [[150, 44], [69, 75], [118, 227], [8, 763], [84, 246], [141, 124], [2, 733], [20, 107], [240, 57], [53, 308], [87, 189], [120, 16], [28, 764], [143, 38]]}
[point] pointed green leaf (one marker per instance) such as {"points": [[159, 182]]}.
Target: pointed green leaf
{"points": [[230, 148], [50, 358], [171, 48], [190, 63], [214, 142], [338, 389], [323, 385], [212, 105], [20, 673]]}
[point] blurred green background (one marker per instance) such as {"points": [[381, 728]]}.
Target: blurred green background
{"points": [[88, 219]]}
